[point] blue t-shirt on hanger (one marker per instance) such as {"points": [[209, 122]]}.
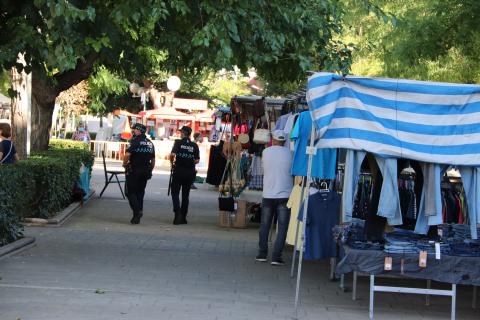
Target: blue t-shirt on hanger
{"points": [[323, 163]]}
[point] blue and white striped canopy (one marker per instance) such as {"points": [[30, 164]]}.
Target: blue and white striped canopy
{"points": [[425, 121]]}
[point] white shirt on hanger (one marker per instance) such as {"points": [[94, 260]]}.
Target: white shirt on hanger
{"points": [[288, 129]]}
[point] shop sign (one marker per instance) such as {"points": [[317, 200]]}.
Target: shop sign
{"points": [[190, 104]]}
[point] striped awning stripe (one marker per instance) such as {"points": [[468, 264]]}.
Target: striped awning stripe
{"points": [[425, 121]]}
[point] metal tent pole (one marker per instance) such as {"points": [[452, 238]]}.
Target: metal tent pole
{"points": [[310, 152]]}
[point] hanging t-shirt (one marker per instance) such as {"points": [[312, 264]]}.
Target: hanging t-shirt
{"points": [[280, 124], [322, 215], [288, 130], [294, 203], [323, 164]]}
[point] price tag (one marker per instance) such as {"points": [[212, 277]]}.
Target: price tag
{"points": [[311, 150], [440, 232], [437, 250], [388, 264], [422, 261]]}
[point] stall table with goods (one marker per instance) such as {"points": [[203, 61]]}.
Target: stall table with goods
{"points": [[409, 187]]}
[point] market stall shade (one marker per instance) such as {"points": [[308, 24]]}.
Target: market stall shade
{"points": [[424, 121], [190, 104], [119, 112], [167, 114], [206, 116]]}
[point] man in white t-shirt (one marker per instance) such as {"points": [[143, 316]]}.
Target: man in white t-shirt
{"points": [[277, 186]]}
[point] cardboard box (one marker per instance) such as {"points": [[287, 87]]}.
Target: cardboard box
{"points": [[240, 220], [223, 219]]}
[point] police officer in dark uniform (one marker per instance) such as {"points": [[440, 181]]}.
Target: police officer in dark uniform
{"points": [[139, 161], [185, 155]]}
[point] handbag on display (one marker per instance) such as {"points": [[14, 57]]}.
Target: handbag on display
{"points": [[261, 136], [243, 138], [259, 108], [226, 203], [234, 106]]}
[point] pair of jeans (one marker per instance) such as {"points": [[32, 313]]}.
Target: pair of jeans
{"points": [[353, 163], [182, 179], [389, 203], [471, 183], [270, 209], [430, 210], [136, 184]]}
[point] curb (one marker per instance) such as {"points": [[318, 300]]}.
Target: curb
{"points": [[61, 217], [16, 246]]}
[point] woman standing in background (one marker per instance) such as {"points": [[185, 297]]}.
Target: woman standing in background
{"points": [[8, 154]]}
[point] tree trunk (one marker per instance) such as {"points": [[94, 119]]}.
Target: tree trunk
{"points": [[43, 104], [44, 93], [42, 112], [20, 112]]}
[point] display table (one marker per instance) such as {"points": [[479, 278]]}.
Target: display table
{"points": [[449, 269]]}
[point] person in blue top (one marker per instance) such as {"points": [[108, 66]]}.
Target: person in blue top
{"points": [[8, 154]]}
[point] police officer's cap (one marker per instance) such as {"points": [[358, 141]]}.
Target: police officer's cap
{"points": [[186, 130], [140, 127]]}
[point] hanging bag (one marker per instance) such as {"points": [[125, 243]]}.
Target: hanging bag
{"points": [[262, 136], [226, 203], [259, 108]]}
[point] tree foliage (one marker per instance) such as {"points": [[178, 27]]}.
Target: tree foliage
{"points": [[282, 39], [435, 40], [65, 41], [102, 84], [75, 100]]}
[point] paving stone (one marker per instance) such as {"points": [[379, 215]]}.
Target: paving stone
{"points": [[159, 271]]}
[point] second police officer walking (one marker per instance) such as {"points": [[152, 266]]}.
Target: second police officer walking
{"points": [[139, 161], [184, 156]]}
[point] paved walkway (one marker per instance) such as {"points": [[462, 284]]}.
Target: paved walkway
{"points": [[98, 266]]}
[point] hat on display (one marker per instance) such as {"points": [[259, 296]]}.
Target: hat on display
{"points": [[186, 130], [278, 135], [140, 127]]}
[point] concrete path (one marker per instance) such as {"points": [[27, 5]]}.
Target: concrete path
{"points": [[98, 266]]}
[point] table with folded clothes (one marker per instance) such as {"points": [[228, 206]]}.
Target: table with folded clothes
{"points": [[459, 261]]}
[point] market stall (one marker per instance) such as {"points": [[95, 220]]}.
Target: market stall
{"points": [[165, 122], [402, 137], [252, 120]]}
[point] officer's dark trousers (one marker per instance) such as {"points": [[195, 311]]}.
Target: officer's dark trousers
{"points": [[181, 179], [136, 183]]}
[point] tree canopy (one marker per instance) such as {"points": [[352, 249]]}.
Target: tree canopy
{"points": [[65, 41], [436, 40]]}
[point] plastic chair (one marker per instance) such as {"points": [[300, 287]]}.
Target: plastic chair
{"points": [[112, 173]]}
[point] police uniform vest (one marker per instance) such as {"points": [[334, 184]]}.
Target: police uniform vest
{"points": [[186, 152], [142, 151]]}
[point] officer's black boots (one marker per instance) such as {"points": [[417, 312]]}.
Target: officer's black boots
{"points": [[183, 219], [177, 220], [136, 218]]}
